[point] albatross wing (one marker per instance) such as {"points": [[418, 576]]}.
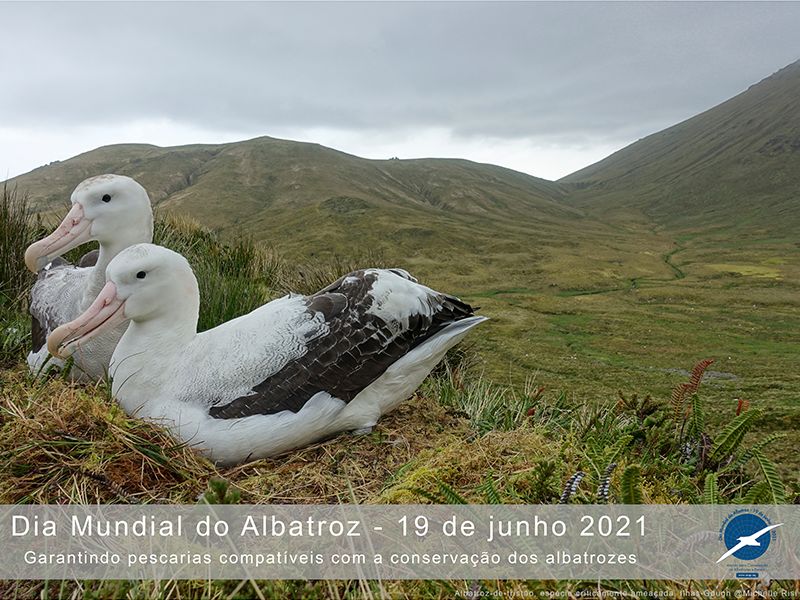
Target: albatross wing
{"points": [[371, 319]]}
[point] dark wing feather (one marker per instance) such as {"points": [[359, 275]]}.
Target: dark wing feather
{"points": [[38, 335], [89, 259], [357, 350], [56, 263]]}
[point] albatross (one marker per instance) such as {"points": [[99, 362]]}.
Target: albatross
{"points": [[113, 210], [293, 371]]}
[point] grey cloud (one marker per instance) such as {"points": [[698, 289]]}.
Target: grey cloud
{"points": [[557, 71]]}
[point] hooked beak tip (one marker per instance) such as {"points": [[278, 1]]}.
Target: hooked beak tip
{"points": [[54, 343], [33, 258]]}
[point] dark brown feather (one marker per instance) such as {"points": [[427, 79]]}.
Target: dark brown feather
{"points": [[38, 335], [356, 351], [89, 259]]}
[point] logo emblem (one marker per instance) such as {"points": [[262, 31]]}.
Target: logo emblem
{"points": [[746, 538]]}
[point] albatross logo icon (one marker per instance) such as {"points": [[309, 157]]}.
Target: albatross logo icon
{"points": [[745, 537]]}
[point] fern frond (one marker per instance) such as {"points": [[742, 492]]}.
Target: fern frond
{"points": [[697, 374], [697, 420], [747, 455], [631, 485], [571, 487], [728, 441], [429, 496], [711, 490], [449, 494], [777, 491], [678, 401], [489, 491], [605, 484], [616, 448], [757, 494]]}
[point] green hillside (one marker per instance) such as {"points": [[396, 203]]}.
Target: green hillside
{"points": [[311, 198], [736, 165], [456, 222]]}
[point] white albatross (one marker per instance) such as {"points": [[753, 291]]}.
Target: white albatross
{"points": [[293, 371], [113, 210]]}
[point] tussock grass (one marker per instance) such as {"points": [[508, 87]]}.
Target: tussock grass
{"points": [[488, 405], [64, 443], [353, 468], [307, 278], [15, 335], [18, 229]]}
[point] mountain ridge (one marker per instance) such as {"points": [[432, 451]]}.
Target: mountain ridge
{"points": [[313, 200], [739, 160], [131, 158]]}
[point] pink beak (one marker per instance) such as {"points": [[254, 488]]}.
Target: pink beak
{"points": [[105, 313], [74, 230]]}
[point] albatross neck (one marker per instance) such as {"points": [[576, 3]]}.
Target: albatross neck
{"points": [[135, 233], [173, 329], [97, 278], [150, 348]]}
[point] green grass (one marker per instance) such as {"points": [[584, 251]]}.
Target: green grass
{"points": [[18, 229], [233, 278]]}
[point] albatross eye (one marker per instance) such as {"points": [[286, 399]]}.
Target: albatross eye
{"points": [[141, 275], [106, 198]]}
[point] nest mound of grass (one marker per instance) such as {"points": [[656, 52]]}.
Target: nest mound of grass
{"points": [[351, 468], [67, 443], [63, 443]]}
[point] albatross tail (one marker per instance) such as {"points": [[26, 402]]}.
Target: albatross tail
{"points": [[403, 377]]}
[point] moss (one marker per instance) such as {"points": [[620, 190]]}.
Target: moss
{"points": [[465, 464]]}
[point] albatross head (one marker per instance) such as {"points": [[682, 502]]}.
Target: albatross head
{"points": [[143, 283], [111, 209]]}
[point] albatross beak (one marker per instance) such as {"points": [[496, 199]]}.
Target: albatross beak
{"points": [[105, 312], [74, 230]]}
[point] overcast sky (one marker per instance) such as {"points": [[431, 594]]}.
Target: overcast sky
{"points": [[544, 88]]}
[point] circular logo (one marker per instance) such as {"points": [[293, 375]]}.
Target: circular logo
{"points": [[740, 532]]}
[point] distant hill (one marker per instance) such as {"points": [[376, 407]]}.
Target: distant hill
{"points": [[311, 199], [737, 164]]}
